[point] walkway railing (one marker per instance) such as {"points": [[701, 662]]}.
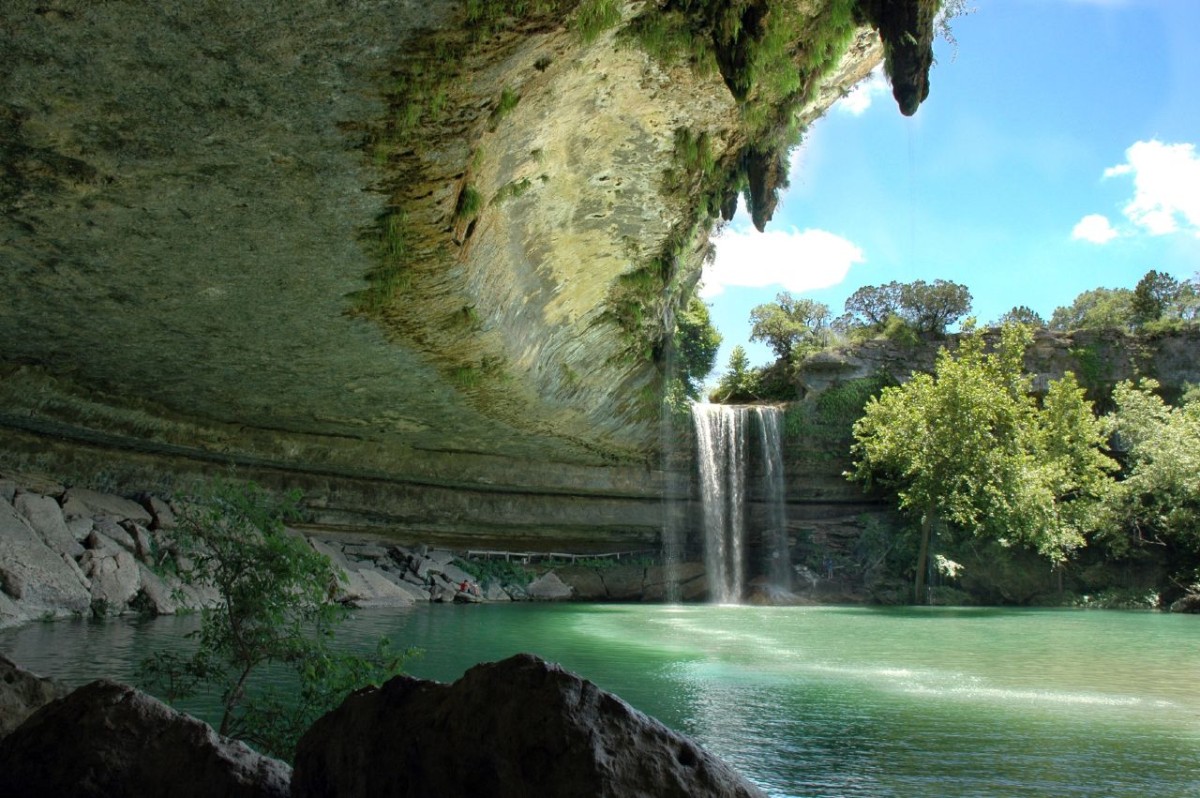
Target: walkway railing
{"points": [[527, 557]]}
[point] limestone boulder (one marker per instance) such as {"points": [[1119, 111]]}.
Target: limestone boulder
{"points": [[115, 579], [512, 729], [83, 502], [352, 589], [493, 590], [365, 551], [139, 538], [22, 693], [162, 514], [585, 583], [11, 613], [35, 576], [45, 516], [155, 596], [624, 582], [384, 592], [683, 581], [548, 587], [108, 739]]}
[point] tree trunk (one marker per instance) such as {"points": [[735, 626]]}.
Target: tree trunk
{"points": [[923, 557]]}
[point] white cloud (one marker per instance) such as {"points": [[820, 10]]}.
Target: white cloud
{"points": [[796, 261], [864, 93], [1095, 228], [1166, 183]]}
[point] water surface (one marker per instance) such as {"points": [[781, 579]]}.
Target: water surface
{"points": [[821, 701]]}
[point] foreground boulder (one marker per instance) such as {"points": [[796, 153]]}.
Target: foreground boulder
{"points": [[108, 739], [22, 693], [517, 728]]}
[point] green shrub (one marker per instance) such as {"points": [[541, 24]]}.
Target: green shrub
{"points": [[274, 609]]}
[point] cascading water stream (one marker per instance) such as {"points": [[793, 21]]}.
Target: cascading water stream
{"points": [[722, 453]]}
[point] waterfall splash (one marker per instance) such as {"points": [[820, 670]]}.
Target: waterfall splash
{"points": [[721, 455]]}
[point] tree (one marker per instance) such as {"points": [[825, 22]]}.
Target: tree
{"points": [[1154, 294], [789, 323], [1158, 502], [696, 344], [928, 308], [1021, 314], [740, 381], [274, 608], [873, 305], [970, 446], [931, 308], [1097, 309]]}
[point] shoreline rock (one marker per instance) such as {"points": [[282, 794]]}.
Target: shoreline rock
{"points": [[507, 729]]}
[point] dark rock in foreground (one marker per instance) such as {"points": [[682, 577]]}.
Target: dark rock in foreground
{"points": [[108, 739], [22, 693], [517, 728]]}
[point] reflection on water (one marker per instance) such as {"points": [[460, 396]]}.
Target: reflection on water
{"points": [[819, 701]]}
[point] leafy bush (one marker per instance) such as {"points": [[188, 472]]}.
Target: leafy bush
{"points": [[274, 609]]}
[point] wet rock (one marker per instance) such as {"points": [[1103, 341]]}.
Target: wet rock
{"points": [[8, 490], [624, 582], [11, 613], [517, 728], [108, 739], [22, 693], [34, 575], [79, 501], [548, 587], [46, 518], [685, 581]]}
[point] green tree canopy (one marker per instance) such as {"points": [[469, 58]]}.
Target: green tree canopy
{"points": [[696, 345], [1099, 308], [970, 446], [873, 305], [1021, 314], [932, 307], [739, 382], [1158, 502], [928, 308], [789, 323]]}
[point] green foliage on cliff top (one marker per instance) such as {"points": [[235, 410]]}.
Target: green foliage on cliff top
{"points": [[970, 446]]}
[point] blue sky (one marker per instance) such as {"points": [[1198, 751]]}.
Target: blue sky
{"points": [[1059, 151]]}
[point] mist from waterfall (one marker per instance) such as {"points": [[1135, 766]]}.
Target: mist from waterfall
{"points": [[722, 454]]}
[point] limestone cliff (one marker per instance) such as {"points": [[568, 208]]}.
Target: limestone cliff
{"points": [[420, 258]]}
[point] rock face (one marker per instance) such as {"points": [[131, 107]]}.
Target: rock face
{"points": [[22, 693], [510, 729], [107, 739], [414, 242]]}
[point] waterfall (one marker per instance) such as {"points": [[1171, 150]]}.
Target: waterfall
{"points": [[775, 542], [721, 458]]}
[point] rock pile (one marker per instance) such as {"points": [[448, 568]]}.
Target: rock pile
{"points": [[66, 552]]}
